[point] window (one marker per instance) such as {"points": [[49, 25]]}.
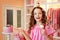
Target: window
{"points": [[10, 17], [18, 18]]}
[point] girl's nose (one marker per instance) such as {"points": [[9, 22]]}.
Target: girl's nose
{"points": [[38, 15]]}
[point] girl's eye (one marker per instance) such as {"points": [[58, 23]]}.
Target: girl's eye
{"points": [[37, 13]]}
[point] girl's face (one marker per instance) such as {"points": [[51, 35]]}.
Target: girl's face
{"points": [[37, 14]]}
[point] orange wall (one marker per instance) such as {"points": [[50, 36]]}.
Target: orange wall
{"points": [[19, 3]]}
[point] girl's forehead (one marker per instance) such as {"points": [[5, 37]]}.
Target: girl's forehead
{"points": [[37, 10]]}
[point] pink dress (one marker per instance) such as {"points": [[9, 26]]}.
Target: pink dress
{"points": [[37, 35]]}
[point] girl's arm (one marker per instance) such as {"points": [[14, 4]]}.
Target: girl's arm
{"points": [[49, 31], [25, 34]]}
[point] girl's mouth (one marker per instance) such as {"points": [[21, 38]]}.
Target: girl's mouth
{"points": [[38, 18]]}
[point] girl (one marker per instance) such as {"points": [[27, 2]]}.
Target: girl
{"points": [[38, 29]]}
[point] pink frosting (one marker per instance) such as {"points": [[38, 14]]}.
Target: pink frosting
{"points": [[7, 29]]}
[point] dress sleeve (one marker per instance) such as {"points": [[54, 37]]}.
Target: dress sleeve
{"points": [[49, 30]]}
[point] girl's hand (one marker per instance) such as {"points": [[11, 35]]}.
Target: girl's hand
{"points": [[15, 30], [43, 31], [21, 32]]}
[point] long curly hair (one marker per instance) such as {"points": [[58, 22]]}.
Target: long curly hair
{"points": [[33, 21]]}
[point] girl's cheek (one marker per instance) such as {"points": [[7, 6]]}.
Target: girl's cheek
{"points": [[34, 16]]}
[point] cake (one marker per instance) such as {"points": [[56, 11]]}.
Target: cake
{"points": [[7, 29]]}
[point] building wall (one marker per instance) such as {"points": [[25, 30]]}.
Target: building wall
{"points": [[16, 3]]}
